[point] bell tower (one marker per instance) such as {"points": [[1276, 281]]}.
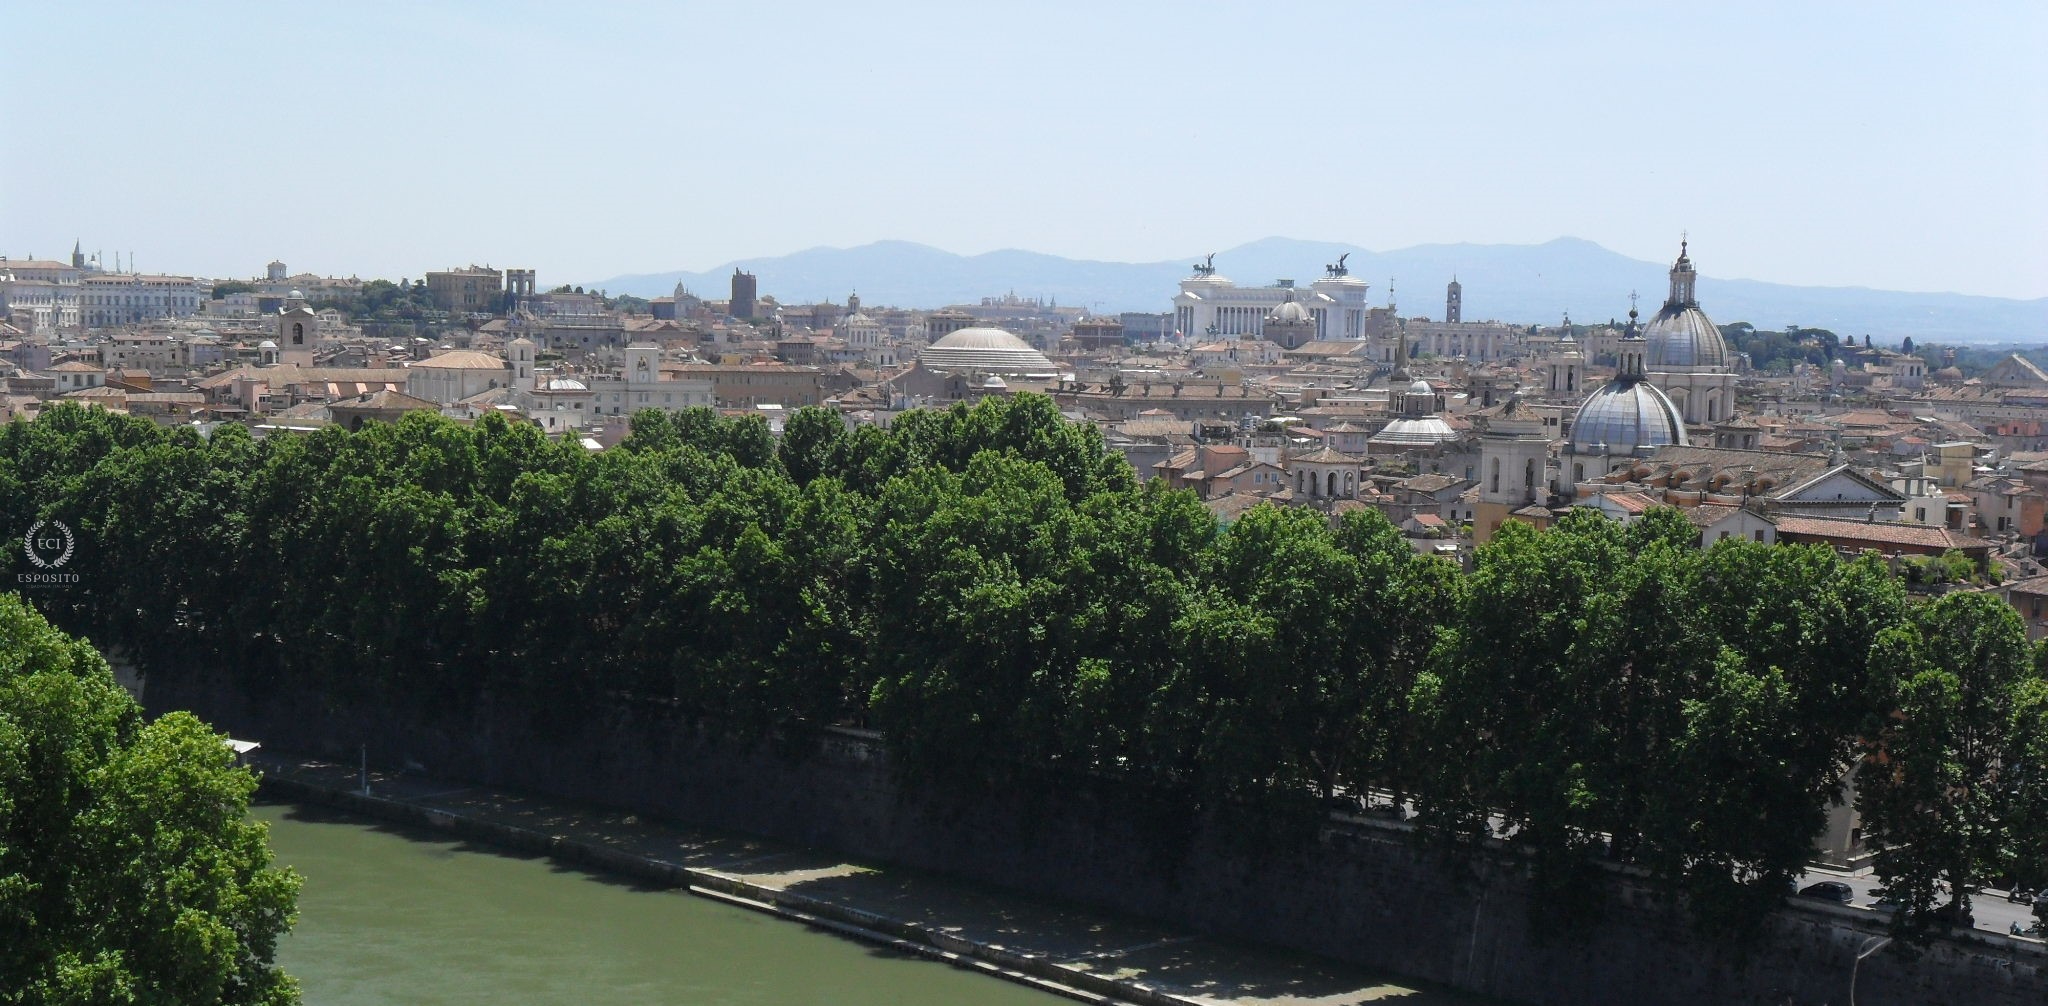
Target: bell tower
{"points": [[1454, 301]]}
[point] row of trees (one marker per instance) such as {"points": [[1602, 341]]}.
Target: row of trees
{"points": [[1004, 601]]}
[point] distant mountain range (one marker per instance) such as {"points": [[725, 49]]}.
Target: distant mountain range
{"points": [[1523, 284]]}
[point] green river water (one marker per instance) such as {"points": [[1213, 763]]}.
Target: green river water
{"points": [[392, 915]]}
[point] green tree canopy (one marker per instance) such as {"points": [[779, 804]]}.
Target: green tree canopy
{"points": [[129, 869]]}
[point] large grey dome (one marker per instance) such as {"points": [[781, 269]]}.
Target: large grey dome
{"points": [[1681, 334], [989, 350], [1625, 415]]}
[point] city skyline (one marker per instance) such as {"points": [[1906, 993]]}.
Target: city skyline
{"points": [[632, 139]]}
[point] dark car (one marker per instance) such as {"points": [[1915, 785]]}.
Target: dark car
{"points": [[1830, 890]]}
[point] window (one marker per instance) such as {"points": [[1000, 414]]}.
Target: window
{"points": [[1759, 534]]}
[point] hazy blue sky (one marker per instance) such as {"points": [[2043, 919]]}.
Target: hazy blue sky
{"points": [[1902, 146]]}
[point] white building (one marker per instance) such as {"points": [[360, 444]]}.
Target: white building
{"points": [[1209, 305], [40, 296], [120, 298]]}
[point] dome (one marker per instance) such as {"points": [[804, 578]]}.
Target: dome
{"points": [[986, 349], [298, 295], [1625, 415], [1424, 431], [1681, 336], [1290, 312], [1421, 387], [566, 384]]}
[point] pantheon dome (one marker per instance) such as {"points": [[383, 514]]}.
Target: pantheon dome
{"points": [[986, 350], [1681, 336]]}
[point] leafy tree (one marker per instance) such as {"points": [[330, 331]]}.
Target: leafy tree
{"points": [[1938, 793], [810, 439], [129, 870]]}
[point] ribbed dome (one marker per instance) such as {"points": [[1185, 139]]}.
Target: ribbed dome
{"points": [[1625, 415], [1425, 431], [990, 350], [1682, 336], [566, 384]]}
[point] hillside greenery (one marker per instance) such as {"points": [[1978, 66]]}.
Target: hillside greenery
{"points": [[1004, 601]]}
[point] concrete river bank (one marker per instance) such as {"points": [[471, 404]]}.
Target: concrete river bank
{"points": [[425, 892]]}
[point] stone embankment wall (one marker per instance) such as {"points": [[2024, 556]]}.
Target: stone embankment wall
{"points": [[1360, 893]]}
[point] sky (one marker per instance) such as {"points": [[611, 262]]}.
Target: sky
{"points": [[1895, 146]]}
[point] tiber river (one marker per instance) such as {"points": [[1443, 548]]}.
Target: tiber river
{"points": [[390, 915]]}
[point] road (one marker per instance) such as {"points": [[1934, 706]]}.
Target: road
{"points": [[1991, 910]]}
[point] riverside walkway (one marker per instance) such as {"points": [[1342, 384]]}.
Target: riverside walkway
{"points": [[1082, 954]]}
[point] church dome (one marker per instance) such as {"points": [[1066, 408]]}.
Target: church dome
{"points": [[986, 349], [566, 384], [1419, 431], [1290, 312], [1421, 387], [1625, 415], [1681, 335]]}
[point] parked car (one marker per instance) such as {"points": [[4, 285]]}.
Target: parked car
{"points": [[1830, 890]]}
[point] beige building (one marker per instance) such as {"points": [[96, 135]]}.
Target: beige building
{"points": [[155, 352], [475, 290], [644, 383], [456, 375], [744, 386], [1514, 465]]}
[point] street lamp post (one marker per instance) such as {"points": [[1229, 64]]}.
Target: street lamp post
{"points": [[1870, 946]]}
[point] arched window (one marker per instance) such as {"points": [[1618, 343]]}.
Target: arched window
{"points": [[1529, 476], [1493, 476], [1578, 473], [1713, 409], [298, 333]]}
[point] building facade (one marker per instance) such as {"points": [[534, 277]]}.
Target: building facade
{"points": [[475, 290], [108, 298], [1211, 305]]}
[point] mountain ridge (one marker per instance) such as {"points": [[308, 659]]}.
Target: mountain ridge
{"points": [[1521, 284]]}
